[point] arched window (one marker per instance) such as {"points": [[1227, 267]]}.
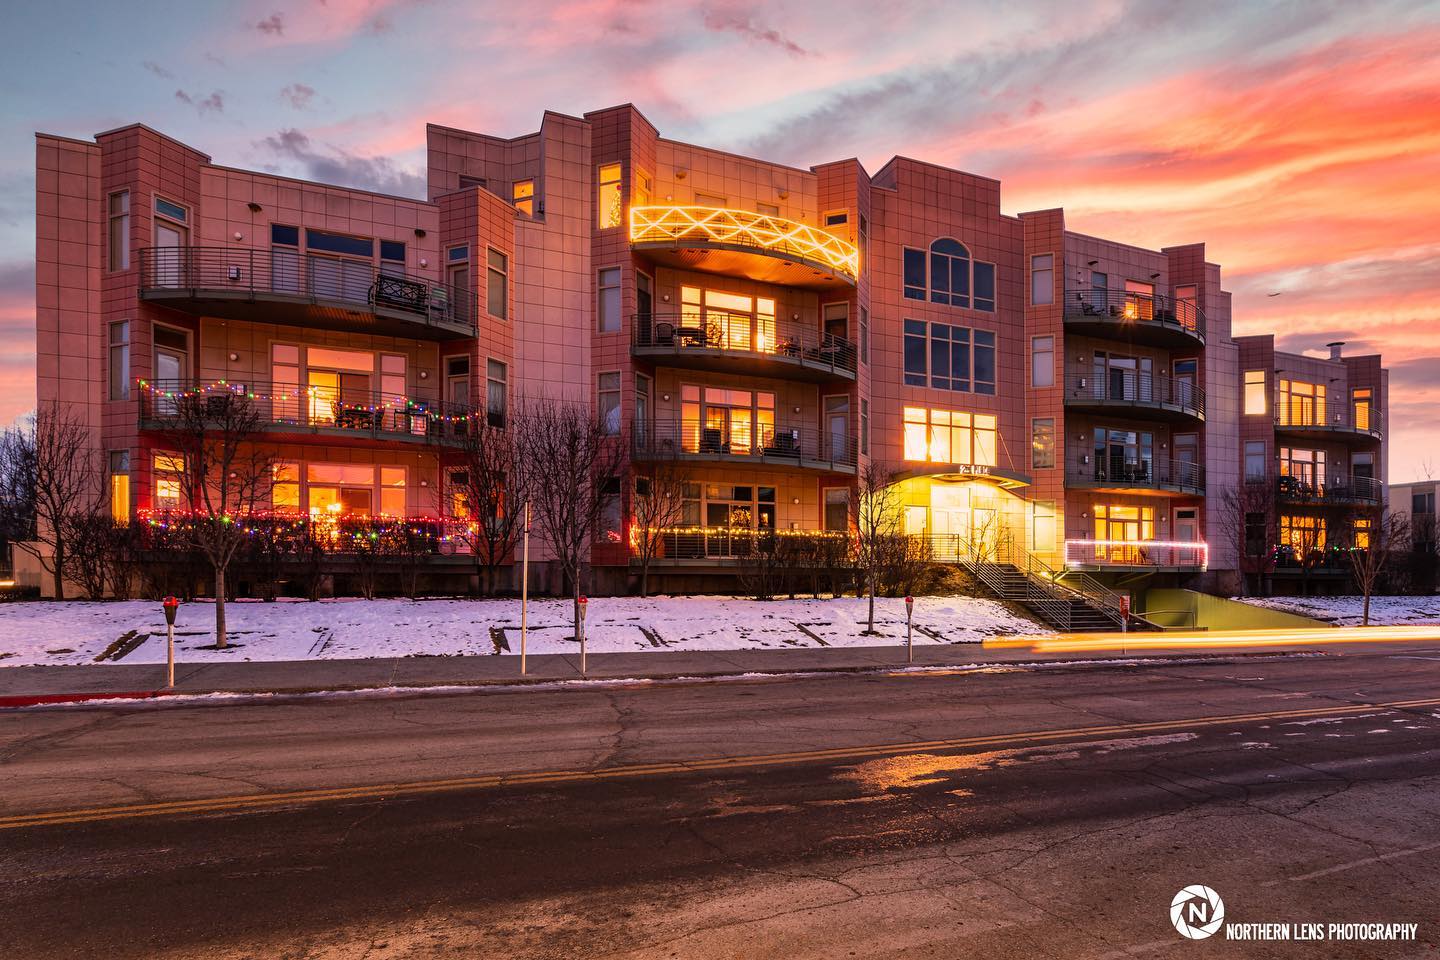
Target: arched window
{"points": [[949, 272]]}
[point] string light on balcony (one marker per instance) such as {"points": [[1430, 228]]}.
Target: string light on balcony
{"points": [[669, 224]]}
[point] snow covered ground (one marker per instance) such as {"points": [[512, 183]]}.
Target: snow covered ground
{"points": [[1346, 611], [76, 631]]}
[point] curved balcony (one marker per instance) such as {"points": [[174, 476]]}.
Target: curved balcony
{"points": [[1159, 477], [738, 242], [1137, 556], [1334, 490], [1154, 320], [1140, 395], [1338, 422], [781, 445], [741, 344], [263, 286], [298, 414]]}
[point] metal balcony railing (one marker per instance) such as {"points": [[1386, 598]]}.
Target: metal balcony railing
{"points": [[287, 275], [700, 226], [1142, 473], [749, 544], [1136, 389], [1123, 307], [278, 407], [1304, 414], [741, 335], [1333, 488], [1136, 553], [727, 439]]}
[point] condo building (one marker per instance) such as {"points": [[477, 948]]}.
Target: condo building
{"points": [[1072, 405]]}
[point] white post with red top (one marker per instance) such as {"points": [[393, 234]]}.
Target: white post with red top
{"points": [[583, 603], [170, 604], [909, 629], [524, 586]]}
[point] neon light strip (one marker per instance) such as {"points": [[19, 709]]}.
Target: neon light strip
{"points": [[743, 228]]}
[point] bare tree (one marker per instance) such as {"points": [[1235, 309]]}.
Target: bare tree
{"points": [[224, 476], [877, 525], [571, 460], [658, 503], [17, 485], [489, 484], [1247, 509], [1378, 535], [66, 473]]}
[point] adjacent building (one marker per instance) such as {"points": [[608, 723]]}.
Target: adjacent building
{"points": [[1075, 403]]}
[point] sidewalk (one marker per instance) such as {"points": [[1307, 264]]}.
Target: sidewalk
{"points": [[21, 686]]}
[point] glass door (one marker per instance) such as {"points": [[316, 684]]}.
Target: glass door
{"points": [[837, 428], [169, 255]]}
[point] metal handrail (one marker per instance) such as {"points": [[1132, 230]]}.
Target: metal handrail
{"points": [[1331, 415], [688, 333], [312, 277], [1135, 388], [1123, 306], [782, 442], [1135, 553], [1331, 487], [1143, 472], [280, 405], [683, 225]]}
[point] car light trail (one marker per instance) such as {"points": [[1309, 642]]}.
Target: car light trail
{"points": [[1215, 639]]}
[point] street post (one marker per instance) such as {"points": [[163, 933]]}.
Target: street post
{"points": [[171, 605], [909, 629], [583, 604], [524, 586]]}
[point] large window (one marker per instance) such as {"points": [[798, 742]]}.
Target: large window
{"points": [[497, 274], [956, 358], [731, 321], [1042, 443], [118, 235], [1124, 456], [1302, 404], [719, 420], [608, 401], [949, 275], [950, 436], [1255, 394], [119, 464], [167, 469], [120, 360], [523, 195], [608, 299], [837, 509], [608, 209], [1302, 533], [1302, 471], [1042, 279], [354, 489], [1255, 468], [496, 376], [1042, 361]]}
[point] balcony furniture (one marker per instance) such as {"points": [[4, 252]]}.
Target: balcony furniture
{"points": [[399, 292], [784, 445], [351, 417], [787, 347], [664, 333], [712, 440], [690, 336]]}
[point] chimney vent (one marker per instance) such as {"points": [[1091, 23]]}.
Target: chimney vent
{"points": [[1335, 349]]}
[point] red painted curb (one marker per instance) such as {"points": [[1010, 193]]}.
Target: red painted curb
{"points": [[31, 700]]}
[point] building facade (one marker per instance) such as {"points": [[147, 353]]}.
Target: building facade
{"points": [[1073, 401]]}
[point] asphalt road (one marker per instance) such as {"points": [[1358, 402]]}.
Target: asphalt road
{"points": [[1039, 813]]}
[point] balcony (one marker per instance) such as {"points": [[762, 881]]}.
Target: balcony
{"points": [[1140, 395], [329, 293], [1154, 320], [1339, 422], [740, 243], [727, 442], [294, 413], [1335, 490], [1109, 475], [743, 345], [1136, 556], [741, 546]]}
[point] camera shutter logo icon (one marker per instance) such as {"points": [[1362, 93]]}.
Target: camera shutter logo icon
{"points": [[1197, 912]]}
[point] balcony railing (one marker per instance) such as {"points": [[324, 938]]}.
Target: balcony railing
{"points": [[1304, 415], [292, 407], [703, 226], [741, 336], [281, 275], [780, 444], [1135, 310], [741, 544], [1129, 388], [1335, 488], [1155, 554], [1163, 474]]}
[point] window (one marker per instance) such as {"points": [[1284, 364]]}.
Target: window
{"points": [[1255, 468], [608, 300], [949, 436], [837, 218], [984, 286], [1042, 279], [709, 200], [1304, 534], [496, 376], [120, 486], [457, 278], [864, 335], [767, 209], [1360, 399], [914, 274], [120, 360], [338, 243], [865, 427], [167, 468], [1422, 502], [1361, 531], [608, 209], [392, 257], [1042, 361], [1187, 306], [837, 509], [608, 402], [172, 210], [836, 320], [915, 353], [1256, 534], [611, 517], [119, 232], [353, 489], [285, 486], [496, 277], [1042, 443], [1301, 404], [960, 359], [1124, 456], [1255, 400], [949, 272], [457, 254], [1302, 471], [523, 195]]}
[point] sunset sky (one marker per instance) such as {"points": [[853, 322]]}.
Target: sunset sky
{"points": [[1299, 141]]}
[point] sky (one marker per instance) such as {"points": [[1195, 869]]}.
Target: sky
{"points": [[1299, 141]]}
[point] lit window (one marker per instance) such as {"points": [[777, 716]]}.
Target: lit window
{"points": [[119, 234], [608, 299], [523, 194], [1042, 361], [1255, 400], [1301, 404], [949, 436], [496, 279], [120, 486], [608, 204], [1042, 443], [167, 468], [285, 486], [1042, 279]]}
